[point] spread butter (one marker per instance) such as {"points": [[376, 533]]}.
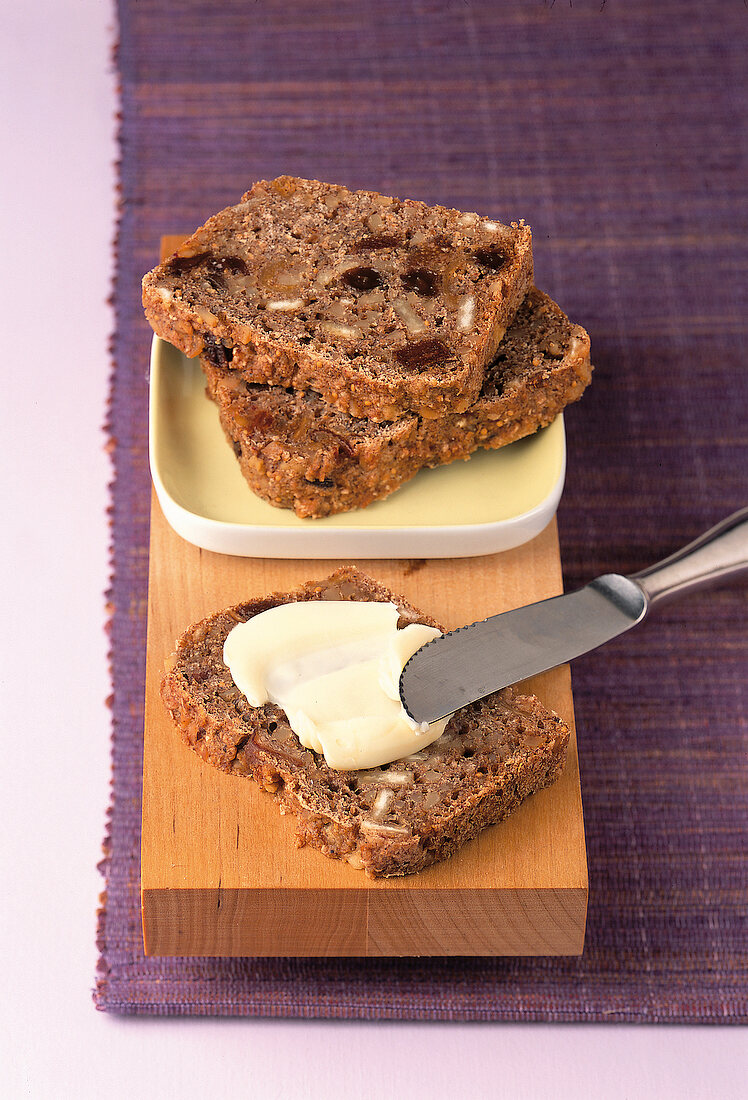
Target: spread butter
{"points": [[334, 667]]}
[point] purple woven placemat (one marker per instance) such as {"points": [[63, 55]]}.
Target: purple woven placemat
{"points": [[619, 133]]}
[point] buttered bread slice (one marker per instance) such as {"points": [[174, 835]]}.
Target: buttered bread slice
{"points": [[392, 819]]}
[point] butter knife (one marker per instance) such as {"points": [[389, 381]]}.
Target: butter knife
{"points": [[473, 661]]}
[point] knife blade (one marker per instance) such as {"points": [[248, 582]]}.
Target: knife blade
{"points": [[473, 661]]}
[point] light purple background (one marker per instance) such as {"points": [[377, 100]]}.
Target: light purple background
{"points": [[57, 129]]}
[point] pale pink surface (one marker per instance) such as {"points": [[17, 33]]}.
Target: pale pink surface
{"points": [[59, 134]]}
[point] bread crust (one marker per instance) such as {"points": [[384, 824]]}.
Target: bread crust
{"points": [[492, 755]]}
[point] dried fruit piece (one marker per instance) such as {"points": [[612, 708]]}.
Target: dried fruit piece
{"points": [[492, 256], [421, 281], [177, 265], [215, 267], [214, 275], [362, 278], [376, 243], [284, 185], [254, 421], [423, 354], [216, 352], [235, 265], [278, 275]]}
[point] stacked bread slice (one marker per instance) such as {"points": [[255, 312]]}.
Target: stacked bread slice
{"points": [[349, 339]]}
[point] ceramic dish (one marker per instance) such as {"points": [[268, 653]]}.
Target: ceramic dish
{"points": [[495, 501]]}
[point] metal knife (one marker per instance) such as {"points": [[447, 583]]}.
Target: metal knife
{"points": [[473, 661]]}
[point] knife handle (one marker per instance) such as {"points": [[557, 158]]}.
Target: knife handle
{"points": [[718, 555]]}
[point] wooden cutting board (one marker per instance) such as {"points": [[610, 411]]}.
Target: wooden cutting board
{"points": [[220, 873]]}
